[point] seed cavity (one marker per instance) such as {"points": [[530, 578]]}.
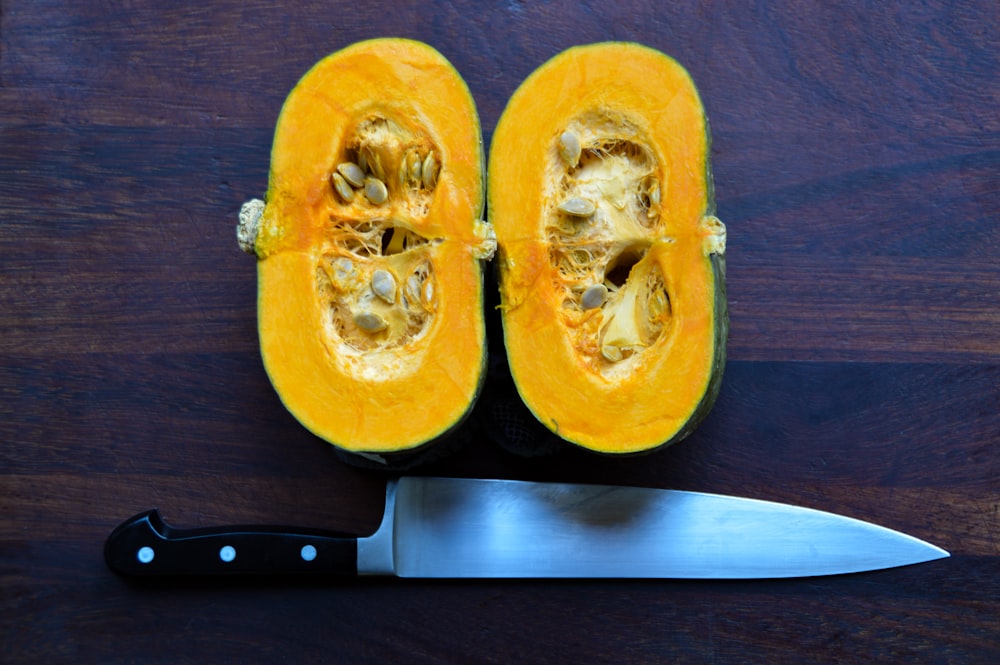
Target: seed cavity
{"points": [[604, 237], [569, 148], [370, 322], [377, 278], [578, 207], [384, 285], [352, 173], [594, 296], [375, 191]]}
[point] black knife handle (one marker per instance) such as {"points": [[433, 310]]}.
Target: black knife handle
{"points": [[146, 546]]}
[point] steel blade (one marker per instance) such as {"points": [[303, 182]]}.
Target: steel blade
{"points": [[449, 527]]}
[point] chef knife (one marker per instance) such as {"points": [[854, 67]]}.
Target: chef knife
{"points": [[468, 528]]}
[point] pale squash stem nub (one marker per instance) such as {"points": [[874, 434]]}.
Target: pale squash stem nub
{"points": [[249, 225]]}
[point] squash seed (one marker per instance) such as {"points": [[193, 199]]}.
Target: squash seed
{"points": [[370, 322], [578, 207], [384, 285], [659, 304], [343, 267], [352, 173], [612, 353], [569, 148], [411, 164], [594, 296], [373, 162], [344, 190], [375, 191], [429, 171], [654, 193], [413, 287], [402, 172]]}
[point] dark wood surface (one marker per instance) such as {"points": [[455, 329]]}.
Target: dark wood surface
{"points": [[857, 161]]}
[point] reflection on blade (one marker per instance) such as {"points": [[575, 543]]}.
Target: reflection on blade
{"points": [[447, 527]]}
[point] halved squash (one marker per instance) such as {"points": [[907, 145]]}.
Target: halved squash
{"points": [[611, 261], [369, 249]]}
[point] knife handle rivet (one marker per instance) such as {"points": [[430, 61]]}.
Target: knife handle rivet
{"points": [[308, 552], [145, 554], [227, 553]]}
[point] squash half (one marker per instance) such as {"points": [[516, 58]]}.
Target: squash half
{"points": [[369, 251], [611, 261]]}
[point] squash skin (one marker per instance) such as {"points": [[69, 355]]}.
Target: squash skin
{"points": [[397, 406], [607, 413]]}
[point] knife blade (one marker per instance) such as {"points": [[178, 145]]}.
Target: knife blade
{"points": [[471, 528]]}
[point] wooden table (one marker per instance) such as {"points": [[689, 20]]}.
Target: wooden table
{"points": [[856, 154]]}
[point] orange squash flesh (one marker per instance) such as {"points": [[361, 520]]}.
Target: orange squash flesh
{"points": [[329, 257], [639, 370]]}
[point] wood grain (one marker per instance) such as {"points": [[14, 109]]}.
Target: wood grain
{"points": [[856, 155]]}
